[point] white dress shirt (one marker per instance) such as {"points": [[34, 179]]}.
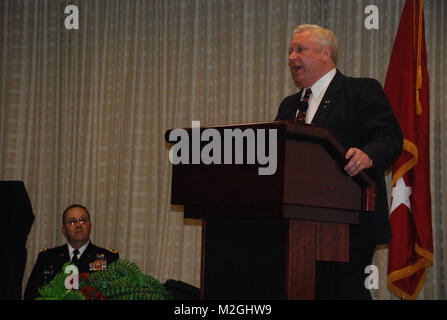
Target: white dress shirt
{"points": [[81, 250], [318, 91]]}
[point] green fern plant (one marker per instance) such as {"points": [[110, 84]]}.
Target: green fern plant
{"points": [[121, 280], [55, 289]]}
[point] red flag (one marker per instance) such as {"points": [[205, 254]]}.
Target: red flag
{"points": [[406, 85]]}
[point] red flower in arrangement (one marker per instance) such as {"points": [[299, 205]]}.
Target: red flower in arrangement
{"points": [[100, 296], [91, 293], [83, 276]]}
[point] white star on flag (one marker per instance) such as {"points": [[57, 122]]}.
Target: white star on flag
{"points": [[400, 195]]}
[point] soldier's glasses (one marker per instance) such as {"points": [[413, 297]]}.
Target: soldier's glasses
{"points": [[72, 222]]}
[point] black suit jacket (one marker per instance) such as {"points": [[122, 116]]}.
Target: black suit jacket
{"points": [[358, 113], [50, 262]]}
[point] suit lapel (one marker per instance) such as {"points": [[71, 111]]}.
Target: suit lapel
{"points": [[86, 258], [330, 100], [64, 255], [292, 108], [298, 101], [88, 252]]}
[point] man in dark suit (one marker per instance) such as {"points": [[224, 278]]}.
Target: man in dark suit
{"points": [[358, 113], [76, 226]]}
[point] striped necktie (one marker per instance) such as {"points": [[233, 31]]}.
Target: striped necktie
{"points": [[303, 105]]}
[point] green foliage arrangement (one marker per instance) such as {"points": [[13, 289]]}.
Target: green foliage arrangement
{"points": [[55, 290], [121, 280]]}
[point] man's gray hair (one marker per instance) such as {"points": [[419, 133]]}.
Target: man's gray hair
{"points": [[321, 35]]}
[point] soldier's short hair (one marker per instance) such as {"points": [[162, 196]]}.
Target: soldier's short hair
{"points": [[74, 206]]}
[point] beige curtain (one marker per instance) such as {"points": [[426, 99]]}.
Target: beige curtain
{"points": [[83, 112]]}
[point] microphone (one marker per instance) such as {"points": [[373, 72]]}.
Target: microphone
{"points": [[291, 113]]}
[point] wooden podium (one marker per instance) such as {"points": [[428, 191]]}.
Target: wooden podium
{"points": [[262, 234]]}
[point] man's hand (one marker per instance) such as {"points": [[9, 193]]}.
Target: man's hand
{"points": [[358, 160]]}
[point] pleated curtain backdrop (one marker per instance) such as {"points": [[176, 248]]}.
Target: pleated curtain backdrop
{"points": [[83, 112]]}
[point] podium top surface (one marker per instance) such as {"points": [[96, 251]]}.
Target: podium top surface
{"points": [[291, 130]]}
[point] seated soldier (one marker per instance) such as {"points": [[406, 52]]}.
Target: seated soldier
{"points": [[76, 226]]}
